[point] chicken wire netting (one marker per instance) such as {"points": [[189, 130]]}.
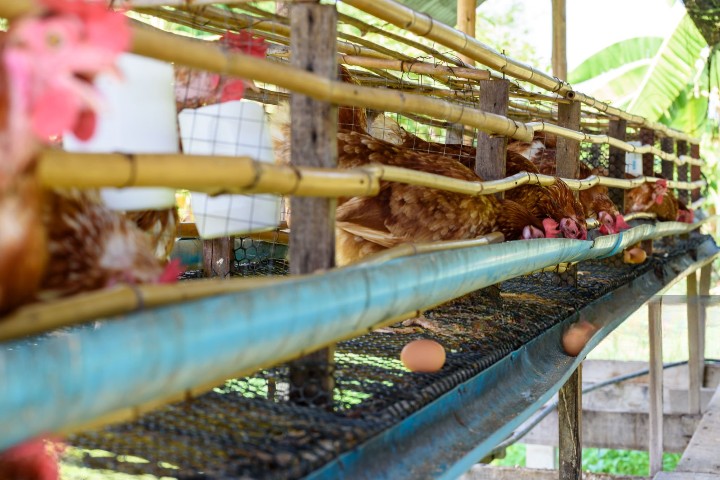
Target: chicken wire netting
{"points": [[252, 427]]}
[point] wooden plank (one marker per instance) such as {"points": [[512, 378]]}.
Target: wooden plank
{"points": [[490, 155], [703, 453], [617, 129], [704, 297], [634, 398], [695, 357], [685, 476], [466, 23], [619, 430], [488, 472], [656, 385], [218, 256], [540, 456], [313, 144], [559, 45], [570, 427]]}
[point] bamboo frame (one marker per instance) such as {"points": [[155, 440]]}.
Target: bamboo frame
{"points": [[415, 67], [199, 54], [409, 249], [216, 175], [614, 142], [423, 25]]}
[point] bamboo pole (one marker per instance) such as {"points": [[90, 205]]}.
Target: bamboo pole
{"points": [[613, 142], [559, 40], [58, 169], [173, 48], [415, 67], [425, 26], [466, 23]]}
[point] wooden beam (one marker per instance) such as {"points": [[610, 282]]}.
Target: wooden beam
{"points": [[656, 385], [490, 155], [695, 357], [488, 472], [559, 40], [466, 23], [620, 430], [617, 129], [702, 455], [570, 427], [313, 144]]}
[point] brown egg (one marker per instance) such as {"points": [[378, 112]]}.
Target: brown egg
{"points": [[634, 255], [423, 356], [577, 336]]}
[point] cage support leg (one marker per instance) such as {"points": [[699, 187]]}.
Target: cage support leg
{"points": [[695, 356], [655, 393], [570, 427]]}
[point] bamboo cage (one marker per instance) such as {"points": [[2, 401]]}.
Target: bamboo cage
{"points": [[411, 82]]}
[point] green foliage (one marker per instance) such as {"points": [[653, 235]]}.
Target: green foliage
{"points": [[623, 462], [599, 460], [514, 457], [639, 50]]}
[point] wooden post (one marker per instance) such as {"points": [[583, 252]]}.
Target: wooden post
{"points": [[570, 427], [490, 156], [617, 129], [655, 392], [647, 137], [568, 158], [704, 296], [695, 358], [682, 170], [695, 171], [559, 43], [466, 23], [313, 144], [667, 144], [218, 256]]}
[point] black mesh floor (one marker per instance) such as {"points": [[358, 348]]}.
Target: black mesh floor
{"points": [[248, 428]]}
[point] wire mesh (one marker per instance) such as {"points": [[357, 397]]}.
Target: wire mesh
{"points": [[250, 428]]}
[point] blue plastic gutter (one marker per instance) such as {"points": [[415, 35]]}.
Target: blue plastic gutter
{"points": [[74, 376], [447, 437]]}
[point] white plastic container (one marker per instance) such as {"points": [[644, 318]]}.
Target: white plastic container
{"points": [[236, 128], [633, 161], [139, 116]]}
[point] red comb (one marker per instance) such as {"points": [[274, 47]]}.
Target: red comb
{"points": [[620, 223], [172, 271], [33, 459]]}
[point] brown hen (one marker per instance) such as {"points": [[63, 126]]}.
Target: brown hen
{"points": [[652, 198], [406, 213], [92, 247]]}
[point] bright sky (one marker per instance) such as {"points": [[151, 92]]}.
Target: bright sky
{"points": [[593, 25]]}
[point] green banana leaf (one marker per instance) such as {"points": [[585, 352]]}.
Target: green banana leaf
{"points": [[617, 55], [674, 68]]}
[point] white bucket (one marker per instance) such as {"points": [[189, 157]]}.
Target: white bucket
{"points": [[236, 128], [139, 116]]}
